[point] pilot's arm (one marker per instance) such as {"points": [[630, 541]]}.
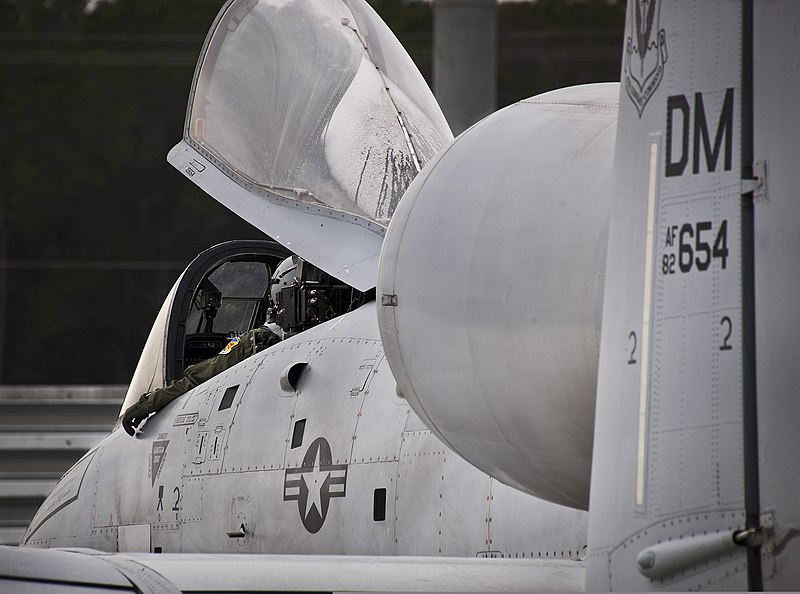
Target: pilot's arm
{"points": [[237, 350]]}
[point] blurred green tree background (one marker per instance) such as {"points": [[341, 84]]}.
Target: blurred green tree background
{"points": [[95, 226]]}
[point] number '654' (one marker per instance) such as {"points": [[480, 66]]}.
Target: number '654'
{"points": [[696, 249]]}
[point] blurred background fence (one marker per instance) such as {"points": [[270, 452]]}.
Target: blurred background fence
{"points": [[44, 430]]}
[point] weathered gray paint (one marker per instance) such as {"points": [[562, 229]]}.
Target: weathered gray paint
{"points": [[83, 571], [671, 435], [669, 488], [495, 257], [323, 186], [196, 474]]}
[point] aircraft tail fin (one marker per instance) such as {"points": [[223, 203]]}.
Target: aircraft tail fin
{"points": [[673, 490]]}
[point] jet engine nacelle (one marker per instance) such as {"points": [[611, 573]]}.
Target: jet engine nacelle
{"points": [[491, 284]]}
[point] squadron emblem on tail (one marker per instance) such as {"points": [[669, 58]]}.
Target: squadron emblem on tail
{"points": [[645, 53]]}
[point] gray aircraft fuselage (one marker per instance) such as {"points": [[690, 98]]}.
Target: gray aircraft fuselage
{"points": [[339, 465]]}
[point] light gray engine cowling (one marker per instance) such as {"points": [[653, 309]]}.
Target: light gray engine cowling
{"points": [[491, 283]]}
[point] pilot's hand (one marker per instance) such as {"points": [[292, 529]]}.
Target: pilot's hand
{"points": [[134, 415]]}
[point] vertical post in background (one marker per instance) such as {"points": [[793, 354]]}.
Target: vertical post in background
{"points": [[3, 267], [465, 60]]}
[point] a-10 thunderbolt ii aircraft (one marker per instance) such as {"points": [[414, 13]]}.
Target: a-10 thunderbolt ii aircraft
{"points": [[313, 114], [588, 295]]}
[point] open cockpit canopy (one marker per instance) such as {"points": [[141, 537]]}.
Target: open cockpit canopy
{"points": [[315, 102]]}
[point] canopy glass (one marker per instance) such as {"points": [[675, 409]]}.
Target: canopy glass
{"points": [[315, 102]]}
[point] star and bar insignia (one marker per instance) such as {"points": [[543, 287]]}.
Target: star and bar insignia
{"points": [[314, 484]]}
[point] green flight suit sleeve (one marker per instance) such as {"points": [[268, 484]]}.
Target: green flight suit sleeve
{"points": [[236, 351]]}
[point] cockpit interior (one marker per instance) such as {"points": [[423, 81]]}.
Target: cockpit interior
{"points": [[225, 292]]}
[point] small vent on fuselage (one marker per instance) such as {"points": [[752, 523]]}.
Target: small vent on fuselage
{"points": [[297, 434], [227, 398]]}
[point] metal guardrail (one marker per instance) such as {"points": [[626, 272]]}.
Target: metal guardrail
{"points": [[44, 430]]}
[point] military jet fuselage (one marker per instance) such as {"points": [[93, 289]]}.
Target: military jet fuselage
{"points": [[304, 447]]}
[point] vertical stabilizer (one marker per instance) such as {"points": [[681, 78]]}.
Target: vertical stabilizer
{"points": [[670, 492]]}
